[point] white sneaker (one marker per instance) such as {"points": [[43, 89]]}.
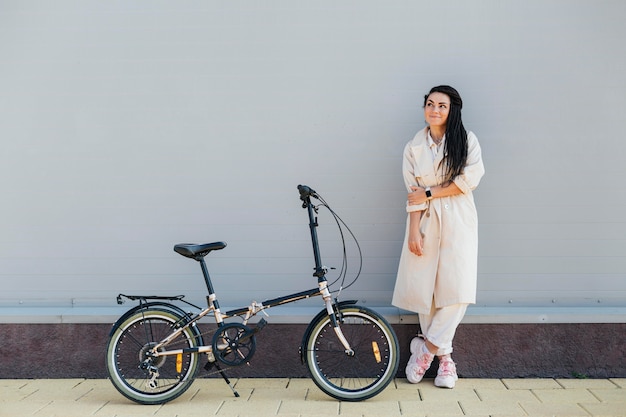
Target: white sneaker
{"points": [[419, 362], [446, 375]]}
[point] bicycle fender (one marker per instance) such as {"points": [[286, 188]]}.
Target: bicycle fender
{"points": [[318, 317], [145, 306]]}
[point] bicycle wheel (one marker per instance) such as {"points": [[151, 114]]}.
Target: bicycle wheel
{"points": [[362, 375], [150, 380]]}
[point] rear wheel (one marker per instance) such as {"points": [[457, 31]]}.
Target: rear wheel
{"points": [[135, 372], [365, 373]]}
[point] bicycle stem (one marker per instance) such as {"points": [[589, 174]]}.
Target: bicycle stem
{"points": [[320, 272]]}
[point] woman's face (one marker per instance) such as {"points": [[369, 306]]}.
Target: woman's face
{"points": [[437, 109]]}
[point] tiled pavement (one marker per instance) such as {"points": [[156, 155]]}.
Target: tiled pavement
{"points": [[300, 397]]}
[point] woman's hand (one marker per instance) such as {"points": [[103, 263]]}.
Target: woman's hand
{"points": [[417, 196], [416, 240]]}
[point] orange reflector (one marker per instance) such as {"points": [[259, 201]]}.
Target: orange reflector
{"points": [[179, 363], [376, 351]]}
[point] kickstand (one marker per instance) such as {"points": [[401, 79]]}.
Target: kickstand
{"points": [[208, 367]]}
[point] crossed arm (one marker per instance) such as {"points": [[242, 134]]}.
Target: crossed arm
{"points": [[416, 197]]}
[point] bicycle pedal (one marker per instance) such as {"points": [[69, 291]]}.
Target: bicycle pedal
{"points": [[260, 325]]}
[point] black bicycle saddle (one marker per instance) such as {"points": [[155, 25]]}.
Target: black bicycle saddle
{"points": [[196, 251]]}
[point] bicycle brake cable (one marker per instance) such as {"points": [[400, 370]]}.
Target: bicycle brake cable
{"points": [[344, 268]]}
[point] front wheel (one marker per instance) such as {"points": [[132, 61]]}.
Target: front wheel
{"points": [[139, 375], [363, 374]]}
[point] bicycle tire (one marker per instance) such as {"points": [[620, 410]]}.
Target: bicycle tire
{"points": [[126, 359], [363, 375]]}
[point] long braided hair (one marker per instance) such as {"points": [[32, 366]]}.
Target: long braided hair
{"points": [[455, 147]]}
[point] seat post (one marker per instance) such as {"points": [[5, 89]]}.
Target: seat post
{"points": [[207, 279]]}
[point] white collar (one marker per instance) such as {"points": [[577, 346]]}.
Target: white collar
{"points": [[432, 143]]}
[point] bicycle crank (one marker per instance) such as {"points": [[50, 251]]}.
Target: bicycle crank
{"points": [[234, 344]]}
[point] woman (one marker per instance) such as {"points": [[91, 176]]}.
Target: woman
{"points": [[438, 264]]}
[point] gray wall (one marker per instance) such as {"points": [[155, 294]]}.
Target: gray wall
{"points": [[127, 127]]}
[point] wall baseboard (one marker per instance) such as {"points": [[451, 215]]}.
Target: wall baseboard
{"points": [[481, 351]]}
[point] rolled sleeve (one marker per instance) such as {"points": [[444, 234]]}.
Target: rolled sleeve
{"points": [[418, 207], [409, 173]]}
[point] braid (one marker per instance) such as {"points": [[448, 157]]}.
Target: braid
{"points": [[456, 136]]}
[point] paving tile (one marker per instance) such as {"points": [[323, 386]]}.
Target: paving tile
{"points": [[435, 394], [193, 405], [100, 391], [391, 393], [398, 394], [404, 384], [606, 409], [509, 396], [312, 414], [59, 384], [328, 407], [216, 389], [68, 408], [476, 383], [610, 395], [244, 407], [261, 383], [15, 389], [620, 382], [528, 383], [5, 383], [299, 383], [13, 393], [317, 395], [565, 396], [416, 408], [89, 391], [204, 394], [586, 383], [554, 410], [101, 394], [276, 393], [20, 408], [305, 414], [370, 407], [483, 408], [128, 409], [43, 390]]}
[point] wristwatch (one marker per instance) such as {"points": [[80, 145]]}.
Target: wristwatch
{"points": [[429, 195]]}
